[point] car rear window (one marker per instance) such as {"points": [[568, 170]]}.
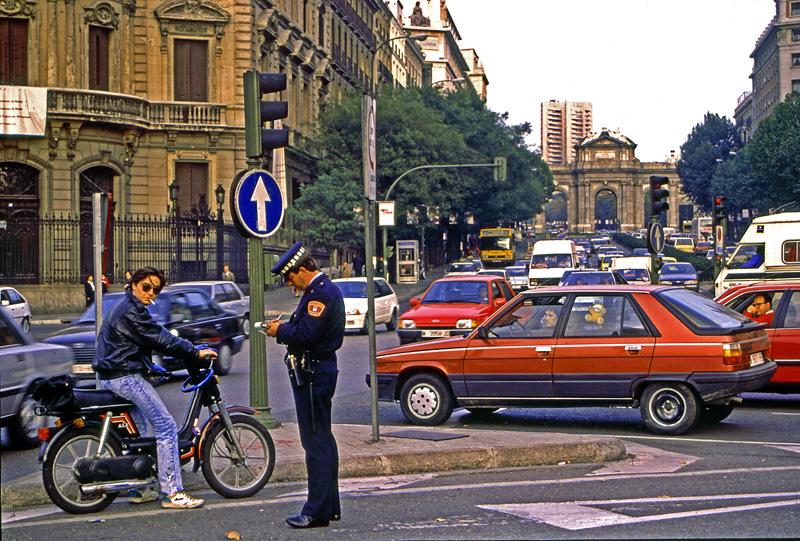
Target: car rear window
{"points": [[353, 290], [471, 292], [701, 314]]}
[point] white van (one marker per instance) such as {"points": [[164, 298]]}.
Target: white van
{"points": [[635, 269], [549, 260], [768, 250]]}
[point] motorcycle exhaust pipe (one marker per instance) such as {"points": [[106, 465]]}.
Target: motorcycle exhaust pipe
{"points": [[93, 489]]}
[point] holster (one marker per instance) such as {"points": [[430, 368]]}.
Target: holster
{"points": [[294, 363]]}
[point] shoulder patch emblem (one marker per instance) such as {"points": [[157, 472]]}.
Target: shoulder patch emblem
{"points": [[315, 308]]}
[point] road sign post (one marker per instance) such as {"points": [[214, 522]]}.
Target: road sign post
{"points": [[257, 207]]}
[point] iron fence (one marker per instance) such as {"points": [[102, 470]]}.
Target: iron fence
{"points": [[58, 250]]}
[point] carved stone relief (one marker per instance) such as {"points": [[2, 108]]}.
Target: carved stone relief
{"points": [[102, 14], [17, 8], [193, 17]]}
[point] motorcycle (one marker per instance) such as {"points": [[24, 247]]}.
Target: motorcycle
{"points": [[95, 451]]}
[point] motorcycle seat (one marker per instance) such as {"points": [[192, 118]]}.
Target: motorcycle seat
{"points": [[99, 399]]}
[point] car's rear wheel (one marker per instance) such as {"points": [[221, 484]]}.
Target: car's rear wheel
{"points": [[246, 325], [26, 324], [392, 323], [426, 400], [715, 414], [23, 430], [224, 361], [669, 408]]}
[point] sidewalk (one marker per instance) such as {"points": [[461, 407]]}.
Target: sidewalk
{"points": [[423, 450]]}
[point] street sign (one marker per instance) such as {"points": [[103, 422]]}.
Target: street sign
{"points": [[655, 238], [368, 146], [257, 203], [719, 235], [386, 213]]}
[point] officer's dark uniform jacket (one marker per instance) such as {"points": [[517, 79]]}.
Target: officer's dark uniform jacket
{"points": [[128, 336], [317, 325]]}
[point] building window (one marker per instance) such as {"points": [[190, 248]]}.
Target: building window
{"points": [[321, 25], [794, 9], [795, 34], [191, 70], [98, 57], [192, 181], [796, 60], [796, 86], [13, 51]]}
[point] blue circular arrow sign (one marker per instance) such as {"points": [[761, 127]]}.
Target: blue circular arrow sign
{"points": [[258, 203]]}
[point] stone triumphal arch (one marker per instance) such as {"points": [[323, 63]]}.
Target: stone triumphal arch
{"points": [[607, 187]]}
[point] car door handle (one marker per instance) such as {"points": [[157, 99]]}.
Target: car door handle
{"points": [[633, 349], [543, 351]]}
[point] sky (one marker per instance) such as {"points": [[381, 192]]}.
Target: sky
{"points": [[650, 68]]}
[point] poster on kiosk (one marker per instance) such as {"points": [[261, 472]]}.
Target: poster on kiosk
{"points": [[407, 261]]}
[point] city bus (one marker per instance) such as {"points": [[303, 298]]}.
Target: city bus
{"points": [[497, 246], [702, 228]]}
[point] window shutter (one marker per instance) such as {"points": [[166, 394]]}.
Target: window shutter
{"points": [[182, 74], [199, 71], [98, 58]]}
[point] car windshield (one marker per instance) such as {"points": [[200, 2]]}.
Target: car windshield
{"points": [[588, 278], [701, 313], [678, 268], [109, 301], [462, 267], [471, 292], [516, 271], [205, 288], [549, 261], [634, 274], [493, 272], [353, 290]]}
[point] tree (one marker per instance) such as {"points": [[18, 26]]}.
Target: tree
{"points": [[710, 143], [775, 153]]}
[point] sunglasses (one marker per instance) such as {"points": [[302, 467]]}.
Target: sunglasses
{"points": [[150, 287]]}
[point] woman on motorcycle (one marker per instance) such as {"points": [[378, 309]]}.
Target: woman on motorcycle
{"points": [[126, 340]]}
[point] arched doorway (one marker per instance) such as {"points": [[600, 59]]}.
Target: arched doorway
{"points": [[605, 211], [555, 212], [19, 226], [94, 180]]}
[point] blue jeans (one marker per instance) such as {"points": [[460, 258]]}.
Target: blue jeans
{"points": [[136, 389]]}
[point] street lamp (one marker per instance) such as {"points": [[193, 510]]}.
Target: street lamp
{"points": [[173, 196], [219, 193]]}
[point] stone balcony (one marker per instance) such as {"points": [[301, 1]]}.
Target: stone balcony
{"points": [[126, 110]]}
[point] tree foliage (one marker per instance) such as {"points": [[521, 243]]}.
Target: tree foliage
{"points": [[417, 127], [710, 143]]}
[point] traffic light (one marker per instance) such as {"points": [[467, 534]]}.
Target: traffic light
{"points": [[500, 169], [256, 112], [720, 211], [659, 197]]}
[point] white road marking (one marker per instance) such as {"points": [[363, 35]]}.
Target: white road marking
{"points": [[581, 516], [673, 439], [646, 459], [792, 448], [783, 413], [481, 486], [22, 514], [370, 484]]}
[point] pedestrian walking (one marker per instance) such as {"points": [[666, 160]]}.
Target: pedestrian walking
{"points": [[128, 277], [88, 290], [227, 274], [358, 263], [312, 335], [104, 281]]}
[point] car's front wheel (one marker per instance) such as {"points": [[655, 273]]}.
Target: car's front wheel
{"points": [[23, 430], [392, 323], [426, 400], [246, 325], [26, 324], [224, 360], [669, 408]]}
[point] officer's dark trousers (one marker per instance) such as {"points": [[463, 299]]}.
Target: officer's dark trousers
{"points": [[322, 455]]}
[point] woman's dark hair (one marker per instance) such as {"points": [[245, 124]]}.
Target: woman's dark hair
{"points": [[306, 262], [144, 272]]}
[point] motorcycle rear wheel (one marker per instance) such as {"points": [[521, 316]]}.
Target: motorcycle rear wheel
{"points": [[229, 476], [59, 481]]}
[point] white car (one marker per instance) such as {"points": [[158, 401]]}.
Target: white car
{"points": [[17, 308], [517, 277], [462, 267], [225, 293], [354, 292]]}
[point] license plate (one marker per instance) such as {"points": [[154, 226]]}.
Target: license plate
{"points": [[82, 369], [756, 358], [435, 334], [351, 322]]}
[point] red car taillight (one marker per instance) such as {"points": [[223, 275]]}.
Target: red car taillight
{"points": [[732, 353], [44, 433]]}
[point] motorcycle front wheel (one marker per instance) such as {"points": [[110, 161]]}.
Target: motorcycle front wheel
{"points": [[60, 483], [234, 477]]}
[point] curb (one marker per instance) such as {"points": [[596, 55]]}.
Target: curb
{"points": [[28, 491]]}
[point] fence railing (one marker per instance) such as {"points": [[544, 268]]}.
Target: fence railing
{"points": [[58, 250]]}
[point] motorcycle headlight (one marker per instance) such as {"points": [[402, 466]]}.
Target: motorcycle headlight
{"points": [[407, 324], [466, 324], [353, 312]]}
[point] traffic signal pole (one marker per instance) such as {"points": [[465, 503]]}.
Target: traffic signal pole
{"points": [[719, 219], [659, 203]]}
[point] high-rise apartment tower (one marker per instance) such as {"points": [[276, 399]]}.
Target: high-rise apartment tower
{"points": [[564, 125]]}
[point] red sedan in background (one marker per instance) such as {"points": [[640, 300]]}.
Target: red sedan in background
{"points": [[453, 306], [784, 331]]}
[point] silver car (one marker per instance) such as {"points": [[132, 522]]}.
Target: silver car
{"points": [[15, 305], [22, 361], [226, 294]]}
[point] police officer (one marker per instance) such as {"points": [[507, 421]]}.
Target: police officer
{"points": [[312, 335]]}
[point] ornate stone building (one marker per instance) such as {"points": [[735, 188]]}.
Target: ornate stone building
{"points": [[606, 167], [141, 93]]}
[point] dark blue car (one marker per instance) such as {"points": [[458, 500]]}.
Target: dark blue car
{"points": [[189, 314], [679, 274]]}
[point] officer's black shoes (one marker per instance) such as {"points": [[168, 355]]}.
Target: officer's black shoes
{"points": [[305, 521]]}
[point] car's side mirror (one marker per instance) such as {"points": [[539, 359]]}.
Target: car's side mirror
{"points": [[483, 333], [499, 301], [414, 301], [4, 303]]}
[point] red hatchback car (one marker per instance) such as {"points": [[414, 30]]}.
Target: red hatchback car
{"points": [[676, 355], [453, 306], [783, 330]]}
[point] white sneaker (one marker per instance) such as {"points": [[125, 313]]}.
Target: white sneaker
{"points": [[181, 500]]}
